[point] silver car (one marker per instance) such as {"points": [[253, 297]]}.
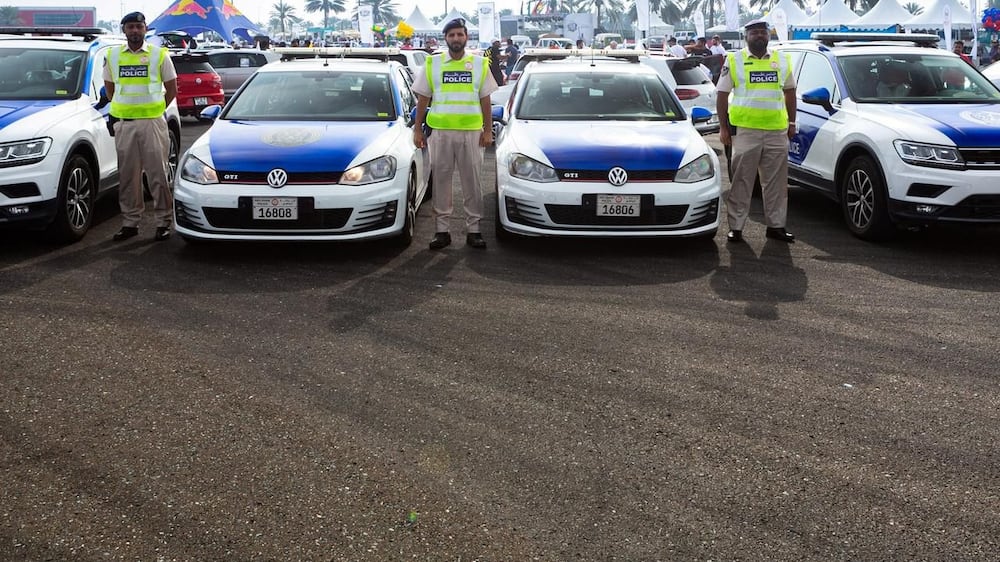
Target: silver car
{"points": [[234, 66]]}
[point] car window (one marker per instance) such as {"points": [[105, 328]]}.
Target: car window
{"points": [[587, 95], [40, 73], [314, 96], [402, 77], [816, 73], [689, 73], [187, 65], [915, 78]]}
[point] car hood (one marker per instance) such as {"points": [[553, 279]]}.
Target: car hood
{"points": [[297, 146], [15, 122], [965, 125], [633, 145]]}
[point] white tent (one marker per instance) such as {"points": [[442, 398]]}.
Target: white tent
{"points": [[834, 13], [885, 14], [793, 14], [420, 24], [933, 16], [454, 13]]}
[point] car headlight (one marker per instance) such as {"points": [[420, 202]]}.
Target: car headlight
{"points": [[379, 169], [24, 152], [532, 170], [699, 169], [196, 171], [935, 156]]}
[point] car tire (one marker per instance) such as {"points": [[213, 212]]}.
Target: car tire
{"points": [[75, 201], [864, 201], [405, 238]]}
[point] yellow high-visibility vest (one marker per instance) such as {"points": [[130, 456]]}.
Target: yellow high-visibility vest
{"points": [[139, 90], [758, 101], [455, 86]]}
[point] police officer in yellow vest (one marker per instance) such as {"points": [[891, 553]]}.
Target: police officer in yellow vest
{"points": [[756, 123], [141, 82], [460, 85]]}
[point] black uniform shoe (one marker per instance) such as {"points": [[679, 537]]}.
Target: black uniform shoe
{"points": [[162, 233], [780, 234], [125, 233], [735, 236], [440, 240], [475, 240]]}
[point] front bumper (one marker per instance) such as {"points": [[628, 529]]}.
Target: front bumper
{"points": [[925, 195]]}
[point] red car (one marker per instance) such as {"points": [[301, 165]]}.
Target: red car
{"points": [[198, 85]]}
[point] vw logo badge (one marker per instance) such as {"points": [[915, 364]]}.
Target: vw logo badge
{"points": [[617, 176], [278, 178]]}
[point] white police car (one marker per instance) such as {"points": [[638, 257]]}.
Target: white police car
{"points": [[896, 132], [318, 149], [56, 155], [602, 148]]}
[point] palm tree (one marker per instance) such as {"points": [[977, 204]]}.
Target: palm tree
{"points": [[913, 8], [325, 6], [766, 5], [282, 12], [9, 15], [610, 5], [669, 11], [383, 11]]}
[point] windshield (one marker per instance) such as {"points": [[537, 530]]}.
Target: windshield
{"points": [[914, 78], [594, 95], [35, 74], [314, 96]]}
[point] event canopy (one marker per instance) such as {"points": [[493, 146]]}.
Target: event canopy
{"points": [[933, 16], [885, 14], [420, 24], [793, 14], [454, 13], [198, 16], [834, 13]]}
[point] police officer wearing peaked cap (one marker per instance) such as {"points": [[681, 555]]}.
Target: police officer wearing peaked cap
{"points": [[460, 85], [141, 82], [756, 125]]}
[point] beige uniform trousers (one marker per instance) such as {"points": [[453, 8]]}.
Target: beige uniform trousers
{"points": [[143, 144], [765, 151], [451, 150]]}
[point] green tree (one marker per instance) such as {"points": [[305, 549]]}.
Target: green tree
{"points": [[383, 11], [9, 15], [325, 6], [282, 12], [913, 8]]}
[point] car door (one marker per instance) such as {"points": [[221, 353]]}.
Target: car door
{"points": [[107, 157], [811, 152], [409, 101]]}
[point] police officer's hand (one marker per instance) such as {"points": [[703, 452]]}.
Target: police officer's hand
{"points": [[486, 138], [111, 124], [725, 137], [418, 138]]}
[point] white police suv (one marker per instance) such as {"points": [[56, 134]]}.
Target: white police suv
{"points": [[602, 148], [56, 155], [312, 149], [896, 131]]}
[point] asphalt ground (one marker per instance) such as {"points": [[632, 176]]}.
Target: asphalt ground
{"points": [[540, 400]]}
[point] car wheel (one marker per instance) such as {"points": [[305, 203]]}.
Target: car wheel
{"points": [[502, 234], [864, 201], [77, 193], [405, 237]]}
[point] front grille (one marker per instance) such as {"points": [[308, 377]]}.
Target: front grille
{"points": [[294, 178], [660, 217], [187, 216], [976, 208], [18, 190], [602, 175], [374, 217], [981, 158]]}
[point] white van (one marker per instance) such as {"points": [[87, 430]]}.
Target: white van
{"points": [[522, 41]]}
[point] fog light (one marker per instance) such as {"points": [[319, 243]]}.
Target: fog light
{"points": [[925, 209], [21, 210]]}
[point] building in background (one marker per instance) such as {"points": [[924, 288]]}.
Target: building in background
{"points": [[69, 16]]}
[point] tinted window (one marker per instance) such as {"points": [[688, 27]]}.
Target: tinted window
{"points": [[816, 73], [586, 95], [190, 65], [314, 96], [688, 74], [40, 74]]}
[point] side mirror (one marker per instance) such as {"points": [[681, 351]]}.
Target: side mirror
{"points": [[700, 114], [103, 101], [210, 113], [820, 97], [498, 113]]}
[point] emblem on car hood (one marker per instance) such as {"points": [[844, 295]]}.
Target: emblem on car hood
{"points": [[290, 137]]}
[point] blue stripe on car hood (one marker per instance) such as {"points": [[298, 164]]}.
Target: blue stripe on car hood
{"points": [[292, 146], [967, 125], [602, 147], [11, 111]]}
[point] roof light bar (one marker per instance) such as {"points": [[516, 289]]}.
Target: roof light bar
{"points": [[844, 38]]}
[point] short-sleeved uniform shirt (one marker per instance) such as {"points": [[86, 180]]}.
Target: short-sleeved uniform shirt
{"points": [[725, 84]]}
